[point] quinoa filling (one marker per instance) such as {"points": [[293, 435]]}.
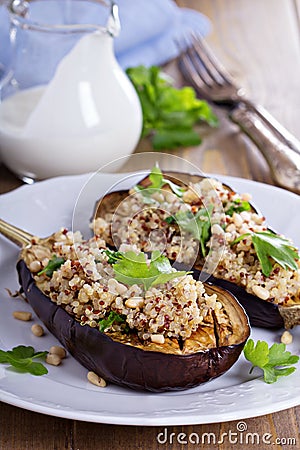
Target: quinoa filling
{"points": [[162, 223], [177, 316]]}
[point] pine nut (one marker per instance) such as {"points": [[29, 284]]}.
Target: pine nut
{"points": [[217, 229], [45, 262], [59, 351], [53, 359], [237, 219], [257, 219], [35, 266], [286, 338], [121, 288], [246, 197], [22, 315], [230, 228], [112, 286], [244, 229], [158, 338], [134, 302], [261, 292], [37, 330], [245, 216], [95, 379]]}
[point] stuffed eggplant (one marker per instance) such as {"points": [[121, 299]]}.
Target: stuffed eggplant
{"points": [[204, 224], [134, 321]]}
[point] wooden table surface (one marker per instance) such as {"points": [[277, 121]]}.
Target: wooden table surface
{"points": [[258, 41]]}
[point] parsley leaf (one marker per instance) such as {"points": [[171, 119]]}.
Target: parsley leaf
{"points": [[238, 206], [54, 263], [273, 361], [198, 225], [157, 182], [269, 245], [113, 317], [170, 220], [135, 269], [169, 114], [21, 358], [156, 178], [257, 354], [113, 256]]}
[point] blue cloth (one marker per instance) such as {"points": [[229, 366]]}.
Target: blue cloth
{"points": [[149, 29]]}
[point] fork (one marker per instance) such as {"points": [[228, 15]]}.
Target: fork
{"points": [[211, 80]]}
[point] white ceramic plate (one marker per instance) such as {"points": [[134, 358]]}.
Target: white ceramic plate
{"points": [[64, 391]]}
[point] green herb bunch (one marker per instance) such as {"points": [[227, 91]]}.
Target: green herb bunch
{"points": [[53, 265], [131, 268], [274, 361], [169, 114], [270, 248], [22, 359], [199, 225], [157, 182]]}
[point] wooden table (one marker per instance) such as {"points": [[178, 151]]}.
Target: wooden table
{"points": [[258, 41]]}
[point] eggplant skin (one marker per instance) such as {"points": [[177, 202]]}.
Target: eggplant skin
{"points": [[122, 364], [261, 313]]}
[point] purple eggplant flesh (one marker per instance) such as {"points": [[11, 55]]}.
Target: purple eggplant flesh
{"points": [[131, 366]]}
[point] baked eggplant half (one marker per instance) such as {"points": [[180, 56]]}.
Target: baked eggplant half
{"points": [[135, 322], [205, 225]]}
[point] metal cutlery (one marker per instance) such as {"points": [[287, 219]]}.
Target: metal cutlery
{"points": [[211, 80]]}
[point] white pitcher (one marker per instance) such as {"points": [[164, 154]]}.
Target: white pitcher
{"points": [[66, 105]]}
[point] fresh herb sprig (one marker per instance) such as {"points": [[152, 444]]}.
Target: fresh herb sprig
{"points": [[270, 245], [274, 361], [199, 225], [112, 318], [113, 255], [134, 268], [157, 182], [22, 359], [238, 206], [54, 263], [169, 114]]}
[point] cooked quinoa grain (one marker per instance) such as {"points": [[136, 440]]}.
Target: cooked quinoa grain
{"points": [[136, 223], [85, 286]]}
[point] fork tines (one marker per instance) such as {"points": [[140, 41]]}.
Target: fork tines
{"points": [[201, 67]]}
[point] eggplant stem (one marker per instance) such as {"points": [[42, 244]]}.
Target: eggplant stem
{"points": [[15, 234]]}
